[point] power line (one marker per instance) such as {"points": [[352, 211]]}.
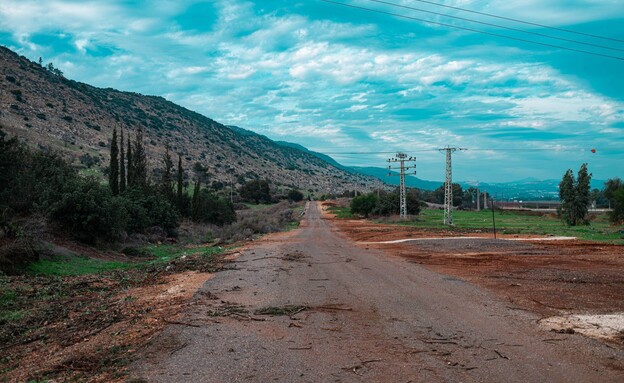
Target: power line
{"points": [[475, 30], [521, 21], [498, 26], [472, 150]]}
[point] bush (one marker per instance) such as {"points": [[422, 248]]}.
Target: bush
{"points": [[147, 210], [89, 211], [212, 209], [389, 202], [256, 191], [363, 204], [295, 195]]}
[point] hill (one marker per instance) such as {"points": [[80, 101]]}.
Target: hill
{"points": [[46, 110]]}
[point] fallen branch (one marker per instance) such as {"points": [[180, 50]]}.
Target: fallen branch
{"points": [[178, 348], [501, 355], [180, 323]]}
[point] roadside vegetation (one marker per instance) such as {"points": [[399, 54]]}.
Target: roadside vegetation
{"points": [[72, 245]]}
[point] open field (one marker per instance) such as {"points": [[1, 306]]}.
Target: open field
{"points": [[554, 278], [507, 222]]}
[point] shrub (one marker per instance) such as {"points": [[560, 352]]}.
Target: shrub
{"points": [[89, 211], [363, 204], [295, 195]]}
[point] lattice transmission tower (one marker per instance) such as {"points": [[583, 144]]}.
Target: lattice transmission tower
{"points": [[448, 185], [402, 158]]}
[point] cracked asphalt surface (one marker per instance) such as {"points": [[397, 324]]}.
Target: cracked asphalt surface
{"points": [[359, 315]]}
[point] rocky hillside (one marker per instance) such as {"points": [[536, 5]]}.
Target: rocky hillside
{"points": [[47, 110]]}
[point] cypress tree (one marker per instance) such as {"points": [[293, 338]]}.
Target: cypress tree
{"points": [[196, 200], [180, 184], [166, 185], [130, 167], [575, 197], [122, 164], [113, 175], [139, 161], [583, 195]]}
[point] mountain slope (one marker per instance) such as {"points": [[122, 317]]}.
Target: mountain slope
{"points": [[49, 111]]}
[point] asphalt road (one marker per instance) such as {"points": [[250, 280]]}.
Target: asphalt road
{"points": [[369, 317]]}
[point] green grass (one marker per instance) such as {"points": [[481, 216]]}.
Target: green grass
{"points": [[517, 223], [9, 316], [70, 265], [165, 253], [75, 265], [340, 212]]}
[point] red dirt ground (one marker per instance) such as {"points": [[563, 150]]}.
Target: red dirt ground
{"points": [[544, 276]]}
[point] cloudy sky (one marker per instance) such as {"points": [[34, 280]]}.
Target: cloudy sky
{"points": [[341, 79]]}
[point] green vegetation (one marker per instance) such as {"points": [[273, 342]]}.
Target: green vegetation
{"points": [[72, 265], [383, 203], [341, 212], [575, 197], [153, 255], [363, 204], [256, 191], [517, 223]]}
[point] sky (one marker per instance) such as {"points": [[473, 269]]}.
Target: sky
{"points": [[343, 80]]}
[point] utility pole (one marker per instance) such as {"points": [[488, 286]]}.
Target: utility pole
{"points": [[402, 158], [448, 186]]}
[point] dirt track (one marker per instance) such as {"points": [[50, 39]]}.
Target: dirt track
{"points": [[359, 314]]}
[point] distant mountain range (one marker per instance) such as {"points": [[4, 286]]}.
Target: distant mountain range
{"points": [[524, 189]]}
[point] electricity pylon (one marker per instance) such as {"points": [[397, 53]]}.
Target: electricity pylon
{"points": [[402, 158], [448, 186]]}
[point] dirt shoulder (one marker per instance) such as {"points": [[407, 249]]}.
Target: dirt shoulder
{"points": [[90, 327], [556, 279]]}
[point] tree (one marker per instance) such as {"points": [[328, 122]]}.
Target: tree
{"points": [[196, 201], [122, 164], [458, 193], [617, 215], [295, 195], [363, 204], [139, 161], [130, 167], [389, 203], [575, 197], [256, 191], [113, 175], [180, 190], [166, 184], [611, 186]]}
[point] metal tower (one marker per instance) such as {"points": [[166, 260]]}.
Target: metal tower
{"points": [[448, 186], [402, 158]]}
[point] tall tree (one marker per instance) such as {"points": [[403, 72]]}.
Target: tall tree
{"points": [[113, 175], [575, 196], [196, 201], [611, 186], [180, 199], [139, 160], [166, 184], [583, 194], [122, 164], [130, 167]]}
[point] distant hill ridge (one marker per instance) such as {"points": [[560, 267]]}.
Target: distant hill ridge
{"points": [[76, 119]]}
